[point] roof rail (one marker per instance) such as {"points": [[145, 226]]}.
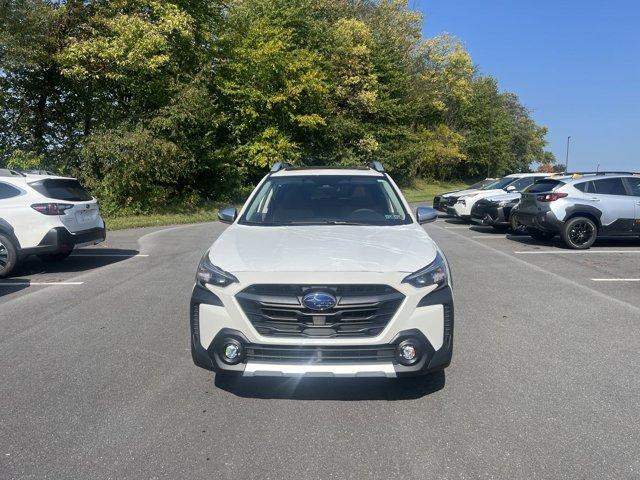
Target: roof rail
{"points": [[377, 166], [37, 172], [600, 173], [279, 166], [5, 172]]}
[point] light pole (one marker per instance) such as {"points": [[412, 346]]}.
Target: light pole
{"points": [[566, 163]]}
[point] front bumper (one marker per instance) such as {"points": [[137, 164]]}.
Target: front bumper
{"points": [[460, 211], [545, 221], [425, 319], [439, 203], [490, 214], [59, 239]]}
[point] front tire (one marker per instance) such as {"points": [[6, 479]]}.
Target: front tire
{"points": [[579, 233], [540, 235], [55, 257], [8, 256], [517, 227]]}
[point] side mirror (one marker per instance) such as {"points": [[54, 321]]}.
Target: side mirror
{"points": [[510, 188], [227, 215], [426, 215]]}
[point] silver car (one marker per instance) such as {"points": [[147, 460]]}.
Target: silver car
{"points": [[582, 207]]}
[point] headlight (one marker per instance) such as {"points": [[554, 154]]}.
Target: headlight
{"points": [[209, 273], [462, 201], [437, 273]]}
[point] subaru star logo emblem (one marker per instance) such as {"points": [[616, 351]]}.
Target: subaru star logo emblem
{"points": [[319, 301]]}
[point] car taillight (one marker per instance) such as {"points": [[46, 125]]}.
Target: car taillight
{"points": [[551, 197], [51, 208]]}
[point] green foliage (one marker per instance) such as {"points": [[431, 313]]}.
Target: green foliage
{"points": [[157, 103], [20, 160]]}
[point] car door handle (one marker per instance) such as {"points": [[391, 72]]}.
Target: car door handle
{"points": [[594, 199]]}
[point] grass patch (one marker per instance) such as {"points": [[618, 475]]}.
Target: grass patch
{"points": [[207, 213], [424, 190]]}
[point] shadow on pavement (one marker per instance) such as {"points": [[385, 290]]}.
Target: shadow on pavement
{"points": [[82, 260], [342, 389], [13, 285], [79, 261], [603, 242], [456, 221]]}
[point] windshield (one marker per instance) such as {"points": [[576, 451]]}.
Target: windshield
{"points": [[326, 199], [498, 184], [481, 184]]}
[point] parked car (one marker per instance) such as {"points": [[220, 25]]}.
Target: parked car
{"points": [[324, 272], [442, 201], [582, 207], [495, 209], [513, 183], [44, 215]]}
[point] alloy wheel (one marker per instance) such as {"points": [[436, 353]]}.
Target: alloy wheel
{"points": [[581, 233], [4, 255]]}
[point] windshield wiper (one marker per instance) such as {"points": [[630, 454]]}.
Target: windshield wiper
{"points": [[328, 222]]}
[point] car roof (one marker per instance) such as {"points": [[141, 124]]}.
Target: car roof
{"points": [[578, 177], [15, 177], [33, 176], [523, 175], [311, 171]]}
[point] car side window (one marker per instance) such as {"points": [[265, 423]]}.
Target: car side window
{"points": [[7, 191], [581, 186], [609, 186], [634, 183]]}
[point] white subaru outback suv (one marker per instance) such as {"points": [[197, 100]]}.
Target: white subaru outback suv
{"points": [[324, 272], [44, 215]]}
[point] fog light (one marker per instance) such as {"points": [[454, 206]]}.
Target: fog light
{"points": [[408, 352], [231, 351]]}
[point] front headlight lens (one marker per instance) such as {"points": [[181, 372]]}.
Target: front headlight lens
{"points": [[208, 273], [437, 273]]}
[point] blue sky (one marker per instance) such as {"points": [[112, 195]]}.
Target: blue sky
{"points": [[575, 64]]}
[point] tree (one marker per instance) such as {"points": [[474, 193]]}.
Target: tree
{"points": [[161, 102]]}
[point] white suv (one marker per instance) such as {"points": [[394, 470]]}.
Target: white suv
{"points": [[44, 215], [324, 272], [513, 183]]}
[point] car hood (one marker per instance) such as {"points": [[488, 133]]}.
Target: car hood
{"points": [[500, 197], [462, 193], [478, 194], [323, 248]]}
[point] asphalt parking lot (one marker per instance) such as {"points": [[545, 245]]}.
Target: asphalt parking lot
{"points": [[97, 381]]}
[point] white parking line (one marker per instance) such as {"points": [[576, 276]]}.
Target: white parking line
{"points": [[107, 255], [33, 284], [616, 279], [560, 252]]}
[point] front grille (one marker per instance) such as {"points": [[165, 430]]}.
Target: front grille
{"points": [[278, 311], [449, 201], [317, 354], [436, 202]]}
